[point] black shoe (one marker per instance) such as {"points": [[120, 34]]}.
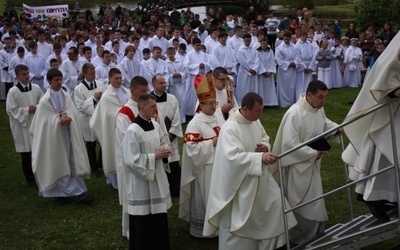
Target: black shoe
{"points": [[32, 185], [378, 212], [97, 174], [83, 199]]}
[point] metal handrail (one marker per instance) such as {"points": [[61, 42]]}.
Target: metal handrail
{"points": [[328, 132]]}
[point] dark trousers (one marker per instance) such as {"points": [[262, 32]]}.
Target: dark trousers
{"points": [[174, 178], [8, 85], [271, 41], [26, 159], [91, 151], [149, 232]]}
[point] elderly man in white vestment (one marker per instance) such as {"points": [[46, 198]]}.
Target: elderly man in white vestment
{"points": [[370, 148], [87, 95], [201, 137], [287, 60], [125, 117], [146, 183], [245, 201], [59, 160], [303, 121], [21, 107], [103, 122]]}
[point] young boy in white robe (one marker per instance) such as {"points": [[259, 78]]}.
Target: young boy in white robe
{"points": [[155, 65], [248, 61], [177, 80], [59, 159], [21, 107], [130, 66], [265, 75]]}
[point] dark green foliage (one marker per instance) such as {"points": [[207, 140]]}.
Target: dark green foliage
{"points": [[377, 13]]}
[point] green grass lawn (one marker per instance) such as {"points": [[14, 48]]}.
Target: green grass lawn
{"points": [[32, 222]]}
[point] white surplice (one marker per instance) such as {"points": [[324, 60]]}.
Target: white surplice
{"points": [[226, 57], [247, 59], [153, 67], [177, 85], [286, 80], [102, 72], [37, 66], [85, 104], [129, 69], [352, 71], [72, 69], [17, 108], [146, 182], [306, 58], [266, 84], [192, 62]]}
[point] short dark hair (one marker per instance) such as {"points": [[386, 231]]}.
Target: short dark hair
{"points": [[156, 48], [146, 51], [52, 73], [219, 70], [113, 71], [250, 99], [53, 61], [246, 36], [196, 40], [138, 81], [74, 49], [129, 48], [145, 98], [19, 68], [86, 48], [315, 86], [86, 67]]}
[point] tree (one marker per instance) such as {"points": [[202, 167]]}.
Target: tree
{"points": [[377, 12], [300, 4]]}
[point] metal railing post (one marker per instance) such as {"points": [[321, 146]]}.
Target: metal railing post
{"points": [[395, 158]]}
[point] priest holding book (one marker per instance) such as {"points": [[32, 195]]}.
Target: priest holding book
{"points": [[301, 169]]}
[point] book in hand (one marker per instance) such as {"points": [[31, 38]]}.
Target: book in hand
{"points": [[320, 144], [168, 123]]}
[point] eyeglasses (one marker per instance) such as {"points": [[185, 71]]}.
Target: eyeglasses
{"points": [[209, 103], [221, 79]]}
